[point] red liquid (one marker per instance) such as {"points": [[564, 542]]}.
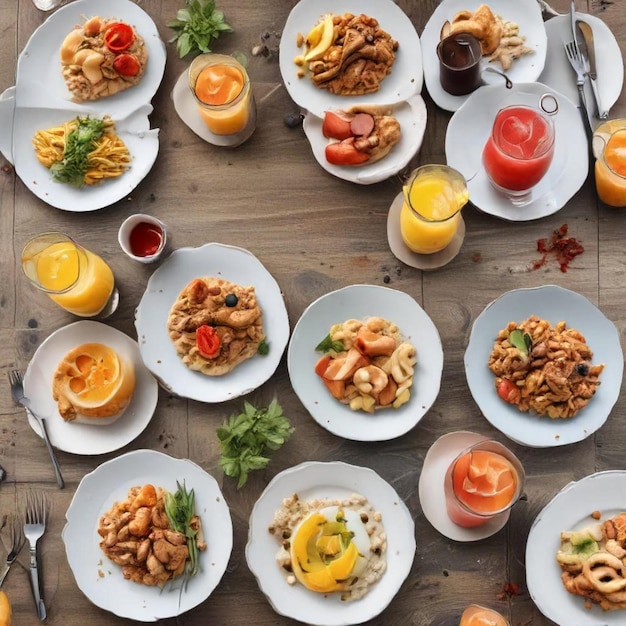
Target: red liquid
{"points": [[145, 239], [520, 148]]}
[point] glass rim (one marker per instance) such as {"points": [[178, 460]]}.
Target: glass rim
{"points": [[606, 143], [192, 78], [410, 179], [511, 458], [50, 234], [544, 116]]}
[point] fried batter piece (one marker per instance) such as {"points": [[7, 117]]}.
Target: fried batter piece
{"points": [[136, 535], [593, 563], [556, 378], [512, 45], [239, 326], [360, 57]]}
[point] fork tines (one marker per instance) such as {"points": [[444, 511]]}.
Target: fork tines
{"points": [[36, 506]]}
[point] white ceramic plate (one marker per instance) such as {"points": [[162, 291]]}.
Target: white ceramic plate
{"points": [[84, 438], [329, 480], [405, 79], [570, 509], [469, 129], [558, 73], [101, 580], [39, 68], [134, 130], [431, 488], [526, 69], [157, 350], [361, 302], [554, 304], [411, 116]]}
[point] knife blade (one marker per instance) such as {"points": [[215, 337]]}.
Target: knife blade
{"points": [[588, 51]]}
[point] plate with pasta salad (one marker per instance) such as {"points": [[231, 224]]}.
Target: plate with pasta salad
{"points": [[544, 365], [366, 362]]}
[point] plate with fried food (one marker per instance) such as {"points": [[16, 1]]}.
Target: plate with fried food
{"points": [[351, 52], [369, 143], [375, 529], [575, 572], [122, 59], [212, 324], [544, 366], [104, 418], [512, 35], [366, 362], [121, 151], [127, 555]]}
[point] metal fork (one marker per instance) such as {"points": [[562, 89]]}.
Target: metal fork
{"points": [[578, 64], [17, 541], [17, 392], [36, 509]]}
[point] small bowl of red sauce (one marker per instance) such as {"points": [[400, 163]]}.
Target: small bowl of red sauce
{"points": [[143, 238]]}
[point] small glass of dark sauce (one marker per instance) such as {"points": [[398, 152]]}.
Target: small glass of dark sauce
{"points": [[459, 63]]}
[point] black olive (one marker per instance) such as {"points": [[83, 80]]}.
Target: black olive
{"points": [[582, 369], [231, 300], [293, 120]]}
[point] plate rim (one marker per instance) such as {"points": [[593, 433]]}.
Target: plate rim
{"points": [[150, 390], [416, 405], [517, 422], [212, 388], [215, 569], [348, 478]]}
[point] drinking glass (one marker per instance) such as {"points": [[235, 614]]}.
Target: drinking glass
{"points": [[520, 148], [72, 276], [459, 63], [483, 481], [610, 168], [222, 90], [433, 198]]}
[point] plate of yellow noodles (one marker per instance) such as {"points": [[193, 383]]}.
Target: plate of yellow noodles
{"points": [[81, 161]]}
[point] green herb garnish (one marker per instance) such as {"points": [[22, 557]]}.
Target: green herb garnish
{"points": [[197, 26], [180, 510], [264, 347], [79, 144], [245, 439], [521, 340], [327, 344]]}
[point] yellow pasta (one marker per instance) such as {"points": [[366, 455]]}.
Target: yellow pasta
{"points": [[108, 158]]}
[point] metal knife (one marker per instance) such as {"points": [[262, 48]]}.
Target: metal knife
{"points": [[589, 54]]}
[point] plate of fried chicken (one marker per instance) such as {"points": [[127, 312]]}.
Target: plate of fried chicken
{"points": [[351, 52], [119, 588]]}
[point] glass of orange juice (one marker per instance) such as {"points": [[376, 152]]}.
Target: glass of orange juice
{"points": [[476, 615], [433, 198], [221, 88], [610, 166], [72, 276], [482, 482]]}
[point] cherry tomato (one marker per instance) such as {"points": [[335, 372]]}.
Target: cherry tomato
{"points": [[126, 65], [207, 341], [118, 36], [509, 392]]}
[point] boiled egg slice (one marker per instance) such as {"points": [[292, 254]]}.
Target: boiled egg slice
{"points": [[329, 548]]}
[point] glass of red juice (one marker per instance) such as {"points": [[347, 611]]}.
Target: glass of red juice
{"points": [[519, 150]]}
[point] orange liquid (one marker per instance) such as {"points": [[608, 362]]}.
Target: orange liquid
{"points": [[484, 481], [217, 86], [57, 267], [610, 171], [475, 615]]}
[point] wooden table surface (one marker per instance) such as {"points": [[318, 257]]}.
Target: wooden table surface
{"points": [[314, 233]]}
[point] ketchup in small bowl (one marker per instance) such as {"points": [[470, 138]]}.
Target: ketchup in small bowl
{"points": [[142, 237]]}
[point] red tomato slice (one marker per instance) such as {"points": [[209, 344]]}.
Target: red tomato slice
{"points": [[126, 65], [509, 392], [207, 341], [119, 36], [344, 153], [335, 126]]}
